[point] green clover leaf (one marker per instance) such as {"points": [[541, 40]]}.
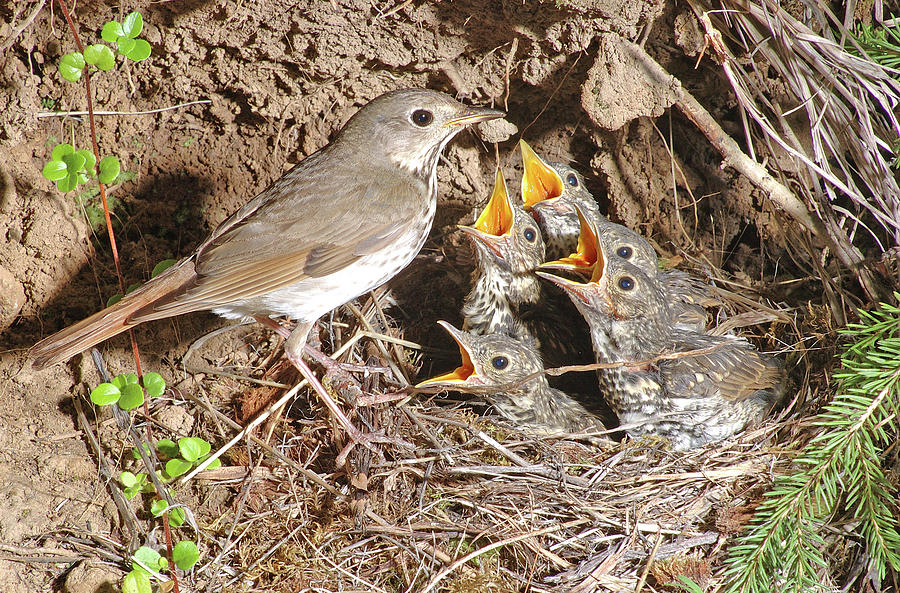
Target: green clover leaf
{"points": [[112, 31], [54, 170], [61, 150], [125, 45], [74, 161], [167, 448], [185, 554], [154, 384], [136, 581], [71, 66], [132, 397], [158, 507], [109, 169], [124, 379], [139, 52], [101, 56], [193, 448], [132, 25], [177, 517], [105, 394], [177, 467], [149, 557]]}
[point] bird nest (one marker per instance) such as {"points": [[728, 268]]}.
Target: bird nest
{"points": [[447, 496]]}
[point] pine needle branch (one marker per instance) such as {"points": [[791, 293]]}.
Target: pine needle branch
{"points": [[881, 44], [838, 475]]}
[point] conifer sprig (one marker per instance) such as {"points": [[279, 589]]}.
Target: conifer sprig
{"points": [[837, 477]]}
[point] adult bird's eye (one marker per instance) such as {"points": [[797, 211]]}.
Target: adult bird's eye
{"points": [[626, 282], [530, 234], [499, 362], [624, 252], [422, 117], [572, 180]]}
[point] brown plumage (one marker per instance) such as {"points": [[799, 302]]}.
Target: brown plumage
{"points": [[508, 373], [340, 223], [689, 387]]}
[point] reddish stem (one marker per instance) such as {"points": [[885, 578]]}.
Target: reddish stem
{"points": [[165, 520], [109, 227], [115, 251]]}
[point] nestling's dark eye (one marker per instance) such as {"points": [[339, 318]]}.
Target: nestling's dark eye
{"points": [[624, 252], [499, 362], [572, 179], [422, 117], [530, 234], [626, 282]]}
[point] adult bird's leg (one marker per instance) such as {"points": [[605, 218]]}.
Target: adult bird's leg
{"points": [[293, 348]]}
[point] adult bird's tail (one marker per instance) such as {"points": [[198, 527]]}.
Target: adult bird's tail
{"points": [[134, 308]]}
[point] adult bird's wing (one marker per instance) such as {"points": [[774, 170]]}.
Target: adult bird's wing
{"points": [[306, 225]]}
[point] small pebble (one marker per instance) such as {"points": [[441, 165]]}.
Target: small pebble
{"points": [[12, 298]]}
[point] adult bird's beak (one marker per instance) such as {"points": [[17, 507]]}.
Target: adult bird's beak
{"points": [[495, 221], [587, 252], [539, 181], [465, 374], [473, 115]]}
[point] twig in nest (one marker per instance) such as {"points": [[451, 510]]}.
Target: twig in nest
{"points": [[511, 540]]}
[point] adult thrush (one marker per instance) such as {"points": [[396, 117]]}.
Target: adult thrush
{"points": [[687, 296], [550, 192], [689, 387], [508, 297], [508, 373], [340, 223]]}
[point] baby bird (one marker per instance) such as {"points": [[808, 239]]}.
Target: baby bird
{"points": [[508, 373], [508, 248], [687, 296], [689, 387], [554, 193], [550, 192], [507, 296]]}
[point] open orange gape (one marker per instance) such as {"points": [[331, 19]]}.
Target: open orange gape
{"points": [[497, 217], [590, 258], [587, 253], [496, 220], [539, 181], [465, 374]]}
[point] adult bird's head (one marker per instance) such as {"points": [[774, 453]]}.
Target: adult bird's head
{"points": [[410, 127]]}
